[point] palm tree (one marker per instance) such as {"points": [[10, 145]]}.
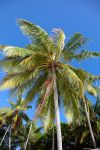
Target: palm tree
{"points": [[14, 117], [80, 130], [35, 135], [41, 68]]}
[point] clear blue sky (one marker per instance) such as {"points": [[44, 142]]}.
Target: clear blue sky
{"points": [[70, 15]]}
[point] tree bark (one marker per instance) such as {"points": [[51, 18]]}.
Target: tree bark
{"points": [[89, 123], [10, 138], [57, 115]]}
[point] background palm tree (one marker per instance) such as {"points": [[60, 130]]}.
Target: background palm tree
{"points": [[42, 68], [35, 135], [80, 127], [14, 117]]}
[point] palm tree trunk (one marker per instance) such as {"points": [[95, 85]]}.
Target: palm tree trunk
{"points": [[28, 136], [89, 123], [4, 135], [53, 138], [57, 115], [10, 138]]}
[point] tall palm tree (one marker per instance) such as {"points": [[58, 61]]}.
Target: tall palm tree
{"points": [[80, 127], [14, 117], [42, 68]]}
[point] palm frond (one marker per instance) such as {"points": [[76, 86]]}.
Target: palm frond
{"points": [[75, 42], [69, 96], [11, 65], [13, 80], [36, 87], [70, 75], [59, 38], [37, 34], [86, 54], [11, 51], [25, 117]]}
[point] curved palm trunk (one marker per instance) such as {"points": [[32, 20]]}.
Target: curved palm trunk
{"points": [[57, 115], [89, 123]]}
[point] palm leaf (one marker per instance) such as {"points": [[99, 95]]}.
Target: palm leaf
{"points": [[13, 80], [75, 42], [11, 51], [37, 34], [86, 54]]}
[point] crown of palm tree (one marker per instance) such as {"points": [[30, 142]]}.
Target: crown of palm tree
{"points": [[15, 114], [30, 69]]}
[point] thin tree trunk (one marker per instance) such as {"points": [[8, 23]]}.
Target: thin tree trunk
{"points": [[10, 138], [53, 138], [57, 115], [89, 123], [28, 136], [4, 135]]}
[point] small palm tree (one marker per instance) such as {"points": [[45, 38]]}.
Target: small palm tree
{"points": [[14, 117], [15, 114], [42, 68]]}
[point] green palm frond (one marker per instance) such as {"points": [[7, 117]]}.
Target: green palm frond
{"points": [[35, 60], [86, 54], [75, 42], [70, 75], [11, 51], [25, 117], [8, 63], [91, 90], [4, 110], [13, 80], [12, 103], [59, 39], [69, 96], [37, 34], [87, 79], [36, 88]]}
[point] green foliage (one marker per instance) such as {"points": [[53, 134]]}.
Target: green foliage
{"points": [[15, 114]]}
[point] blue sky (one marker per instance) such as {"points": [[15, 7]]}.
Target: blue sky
{"points": [[70, 15]]}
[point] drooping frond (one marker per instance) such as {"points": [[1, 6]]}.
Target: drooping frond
{"points": [[69, 96], [72, 77], [35, 60], [25, 117], [36, 87], [37, 34], [14, 80], [4, 110], [11, 51], [87, 80]]}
